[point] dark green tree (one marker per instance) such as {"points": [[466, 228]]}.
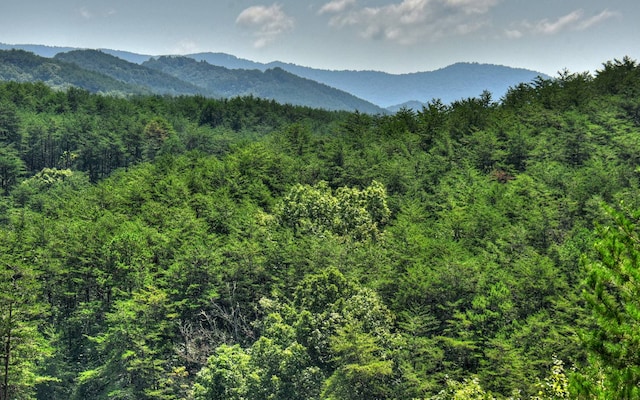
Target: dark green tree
{"points": [[9, 123], [11, 167]]}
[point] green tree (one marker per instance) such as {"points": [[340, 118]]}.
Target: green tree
{"points": [[361, 349], [276, 366], [157, 131], [468, 389], [297, 138], [9, 124], [11, 168], [556, 385], [363, 371], [225, 375], [23, 345], [613, 295], [618, 77], [135, 362], [360, 214]]}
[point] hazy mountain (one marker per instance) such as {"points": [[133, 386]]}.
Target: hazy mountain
{"points": [[37, 49], [127, 55], [229, 61], [131, 73], [23, 66], [455, 82], [275, 84], [98, 71], [391, 91], [51, 51]]}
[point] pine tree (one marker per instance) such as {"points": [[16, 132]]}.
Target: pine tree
{"points": [[22, 344], [613, 294]]}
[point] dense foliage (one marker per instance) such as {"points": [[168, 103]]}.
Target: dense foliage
{"points": [[182, 247]]}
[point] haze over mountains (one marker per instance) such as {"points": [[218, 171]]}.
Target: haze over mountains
{"points": [[98, 71], [224, 75], [455, 82]]}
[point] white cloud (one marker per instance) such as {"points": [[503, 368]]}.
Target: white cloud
{"points": [[573, 21], [411, 21], [85, 13], [513, 33], [336, 6], [596, 19], [266, 23], [552, 27], [472, 6]]}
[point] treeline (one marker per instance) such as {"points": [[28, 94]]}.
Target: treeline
{"points": [[181, 247], [73, 129]]}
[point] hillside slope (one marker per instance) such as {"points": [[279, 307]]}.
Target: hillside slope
{"points": [[454, 82], [22, 66], [131, 73], [105, 71], [276, 84], [389, 91], [178, 247]]}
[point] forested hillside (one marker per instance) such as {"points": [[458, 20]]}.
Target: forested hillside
{"points": [[274, 83], [130, 73], [22, 66], [190, 248], [393, 91], [371, 92], [99, 72]]}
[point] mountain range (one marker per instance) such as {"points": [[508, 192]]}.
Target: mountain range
{"points": [[392, 91], [98, 71], [23, 66], [224, 75]]}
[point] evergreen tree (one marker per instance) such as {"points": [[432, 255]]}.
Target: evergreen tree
{"points": [[613, 294], [23, 346]]}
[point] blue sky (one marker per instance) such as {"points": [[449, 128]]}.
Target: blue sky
{"points": [[396, 36]]}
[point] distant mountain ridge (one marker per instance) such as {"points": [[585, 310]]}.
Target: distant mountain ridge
{"points": [[389, 91], [131, 73], [455, 82], [98, 71], [24, 66], [275, 83], [51, 51]]}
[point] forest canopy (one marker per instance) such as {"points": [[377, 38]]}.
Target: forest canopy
{"points": [[158, 247]]}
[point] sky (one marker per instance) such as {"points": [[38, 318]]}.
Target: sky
{"points": [[396, 36]]}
